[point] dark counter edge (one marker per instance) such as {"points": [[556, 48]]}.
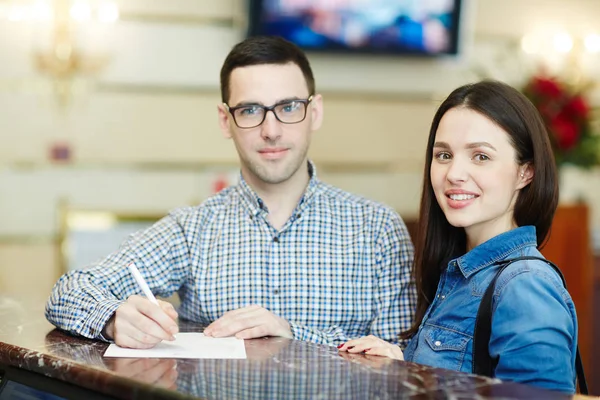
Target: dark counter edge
{"points": [[86, 376]]}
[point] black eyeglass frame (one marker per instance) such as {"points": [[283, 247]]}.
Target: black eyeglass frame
{"points": [[232, 110]]}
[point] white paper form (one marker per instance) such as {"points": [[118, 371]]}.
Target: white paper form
{"points": [[186, 345]]}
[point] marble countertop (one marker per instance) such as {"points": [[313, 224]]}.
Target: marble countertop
{"points": [[275, 368]]}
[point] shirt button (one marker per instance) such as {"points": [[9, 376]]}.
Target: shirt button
{"points": [[438, 343], [276, 239], [443, 297], [276, 291]]}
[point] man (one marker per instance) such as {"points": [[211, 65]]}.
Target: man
{"points": [[280, 254]]}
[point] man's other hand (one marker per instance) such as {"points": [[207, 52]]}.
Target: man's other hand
{"points": [[249, 323]]}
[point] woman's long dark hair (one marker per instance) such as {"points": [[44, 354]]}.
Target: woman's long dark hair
{"points": [[437, 241]]}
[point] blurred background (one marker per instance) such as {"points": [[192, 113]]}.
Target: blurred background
{"points": [[108, 112]]}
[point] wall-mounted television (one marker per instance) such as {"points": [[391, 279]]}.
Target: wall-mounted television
{"points": [[415, 27]]}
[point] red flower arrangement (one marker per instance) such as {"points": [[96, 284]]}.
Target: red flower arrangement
{"points": [[567, 116]]}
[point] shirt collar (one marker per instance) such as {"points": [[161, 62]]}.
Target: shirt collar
{"points": [[256, 205], [497, 248]]}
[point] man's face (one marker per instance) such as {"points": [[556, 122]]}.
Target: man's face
{"points": [[272, 152]]}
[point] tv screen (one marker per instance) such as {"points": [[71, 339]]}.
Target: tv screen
{"points": [[419, 27]]}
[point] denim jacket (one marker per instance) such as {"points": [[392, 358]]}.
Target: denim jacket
{"points": [[534, 325]]}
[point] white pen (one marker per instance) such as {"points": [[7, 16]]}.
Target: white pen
{"points": [[141, 282]]}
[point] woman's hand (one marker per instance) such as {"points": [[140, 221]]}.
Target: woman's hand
{"points": [[373, 346]]}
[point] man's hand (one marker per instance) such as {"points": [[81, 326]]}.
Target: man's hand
{"points": [[248, 323], [140, 324], [373, 346]]}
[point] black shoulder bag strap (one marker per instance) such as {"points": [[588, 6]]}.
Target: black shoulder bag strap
{"points": [[483, 363]]}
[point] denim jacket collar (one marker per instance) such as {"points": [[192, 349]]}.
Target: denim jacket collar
{"points": [[497, 248]]}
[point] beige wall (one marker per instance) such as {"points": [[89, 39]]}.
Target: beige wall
{"points": [[28, 267]]}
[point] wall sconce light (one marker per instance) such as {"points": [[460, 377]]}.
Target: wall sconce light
{"points": [[70, 38], [573, 58]]}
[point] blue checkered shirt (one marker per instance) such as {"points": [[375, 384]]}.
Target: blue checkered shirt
{"points": [[340, 268]]}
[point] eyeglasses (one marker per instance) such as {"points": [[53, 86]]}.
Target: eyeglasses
{"points": [[252, 115]]}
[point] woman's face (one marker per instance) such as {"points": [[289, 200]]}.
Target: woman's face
{"points": [[475, 175]]}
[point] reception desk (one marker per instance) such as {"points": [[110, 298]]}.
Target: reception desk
{"points": [[36, 359]]}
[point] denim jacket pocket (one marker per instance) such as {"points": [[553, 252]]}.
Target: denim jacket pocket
{"points": [[446, 347]]}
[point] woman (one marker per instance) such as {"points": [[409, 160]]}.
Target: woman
{"points": [[490, 193]]}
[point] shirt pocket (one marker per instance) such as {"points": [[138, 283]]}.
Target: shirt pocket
{"points": [[446, 347]]}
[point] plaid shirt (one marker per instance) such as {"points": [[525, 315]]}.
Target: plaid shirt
{"points": [[340, 268]]}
